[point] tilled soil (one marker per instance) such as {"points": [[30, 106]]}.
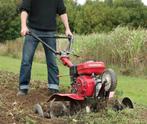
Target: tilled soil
{"points": [[19, 109]]}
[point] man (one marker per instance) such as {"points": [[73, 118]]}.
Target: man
{"points": [[39, 17]]}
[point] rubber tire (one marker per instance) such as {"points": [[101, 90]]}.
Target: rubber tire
{"points": [[113, 79]]}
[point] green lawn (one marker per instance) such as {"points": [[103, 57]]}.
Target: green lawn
{"points": [[39, 70], [133, 87]]}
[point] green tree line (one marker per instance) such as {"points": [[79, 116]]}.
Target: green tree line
{"points": [[92, 17]]}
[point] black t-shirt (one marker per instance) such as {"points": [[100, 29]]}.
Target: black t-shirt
{"points": [[42, 13]]}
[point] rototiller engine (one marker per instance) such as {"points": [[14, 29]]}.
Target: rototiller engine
{"points": [[91, 83]]}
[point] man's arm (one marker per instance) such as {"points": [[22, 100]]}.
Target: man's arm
{"points": [[64, 19], [24, 28], [24, 10]]}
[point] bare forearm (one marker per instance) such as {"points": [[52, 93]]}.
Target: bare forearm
{"points": [[24, 16], [64, 19], [24, 28]]}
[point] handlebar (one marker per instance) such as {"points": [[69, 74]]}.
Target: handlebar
{"points": [[68, 49]]}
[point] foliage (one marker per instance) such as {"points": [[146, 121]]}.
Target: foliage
{"points": [[93, 17], [9, 21], [122, 47], [96, 16], [128, 3], [108, 117]]}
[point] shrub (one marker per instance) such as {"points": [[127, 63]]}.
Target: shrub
{"points": [[93, 17], [9, 21]]}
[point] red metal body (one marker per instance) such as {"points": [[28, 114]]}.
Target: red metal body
{"points": [[66, 60], [84, 85], [91, 67], [71, 96]]}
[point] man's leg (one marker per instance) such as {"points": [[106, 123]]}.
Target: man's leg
{"points": [[29, 48], [53, 72]]}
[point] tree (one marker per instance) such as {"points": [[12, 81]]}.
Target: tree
{"points": [[9, 22], [109, 2], [128, 3]]}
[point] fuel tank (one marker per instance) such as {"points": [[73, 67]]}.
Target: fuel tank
{"points": [[90, 67]]}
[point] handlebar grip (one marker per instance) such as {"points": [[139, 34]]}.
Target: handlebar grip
{"points": [[70, 39]]}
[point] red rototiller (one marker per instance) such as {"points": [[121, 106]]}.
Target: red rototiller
{"points": [[91, 83]]}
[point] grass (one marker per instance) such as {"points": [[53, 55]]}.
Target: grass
{"points": [[110, 117], [122, 47], [133, 87], [39, 70]]}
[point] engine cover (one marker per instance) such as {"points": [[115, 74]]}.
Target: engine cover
{"points": [[91, 67], [84, 86]]}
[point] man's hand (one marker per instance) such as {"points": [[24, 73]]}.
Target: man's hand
{"points": [[68, 33], [64, 19], [24, 31]]}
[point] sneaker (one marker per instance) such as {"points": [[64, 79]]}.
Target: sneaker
{"points": [[53, 91], [22, 92]]}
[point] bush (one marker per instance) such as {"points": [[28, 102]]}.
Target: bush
{"points": [[96, 16], [9, 21], [93, 17]]}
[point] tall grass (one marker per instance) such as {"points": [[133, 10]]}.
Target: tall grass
{"points": [[14, 49], [122, 47]]}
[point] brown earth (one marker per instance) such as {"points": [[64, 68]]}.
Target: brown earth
{"points": [[19, 110]]}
